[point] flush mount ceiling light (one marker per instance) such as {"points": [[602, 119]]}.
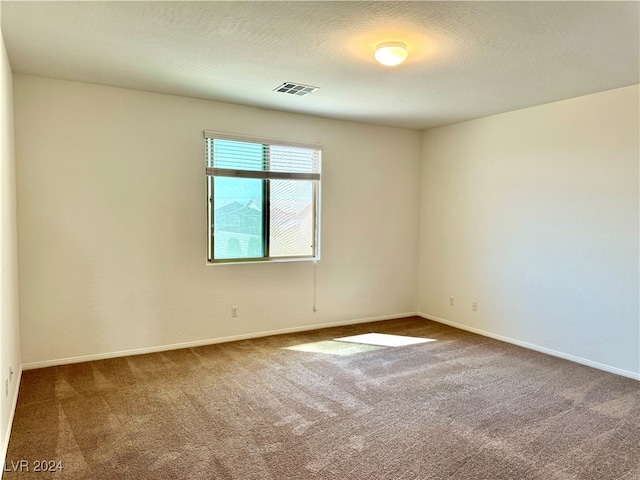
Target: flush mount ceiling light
{"points": [[391, 53]]}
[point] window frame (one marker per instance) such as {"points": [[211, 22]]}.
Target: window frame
{"points": [[266, 143]]}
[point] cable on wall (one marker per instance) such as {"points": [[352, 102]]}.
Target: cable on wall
{"points": [[315, 286]]}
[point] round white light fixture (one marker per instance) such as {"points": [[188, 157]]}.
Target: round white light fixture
{"points": [[391, 53]]}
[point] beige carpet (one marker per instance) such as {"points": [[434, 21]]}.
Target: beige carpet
{"points": [[458, 407]]}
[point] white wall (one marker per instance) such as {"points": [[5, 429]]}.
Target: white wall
{"points": [[112, 223], [9, 325], [534, 214]]}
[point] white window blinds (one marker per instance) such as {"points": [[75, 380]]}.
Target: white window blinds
{"points": [[236, 157]]}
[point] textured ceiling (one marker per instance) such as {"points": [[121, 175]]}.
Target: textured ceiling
{"points": [[466, 59]]}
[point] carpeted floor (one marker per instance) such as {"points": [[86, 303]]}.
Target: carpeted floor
{"points": [[459, 407]]}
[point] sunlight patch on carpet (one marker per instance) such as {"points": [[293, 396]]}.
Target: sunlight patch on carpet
{"points": [[332, 347], [384, 339]]}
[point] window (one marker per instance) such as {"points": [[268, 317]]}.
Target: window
{"points": [[263, 199]]}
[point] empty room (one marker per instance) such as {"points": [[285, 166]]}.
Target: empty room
{"points": [[320, 240]]}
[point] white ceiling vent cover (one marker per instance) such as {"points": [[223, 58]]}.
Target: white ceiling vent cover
{"points": [[296, 89]]}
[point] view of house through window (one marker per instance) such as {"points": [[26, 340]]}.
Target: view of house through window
{"points": [[263, 200], [238, 224]]}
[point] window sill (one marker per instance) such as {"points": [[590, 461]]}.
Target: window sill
{"points": [[263, 261]]}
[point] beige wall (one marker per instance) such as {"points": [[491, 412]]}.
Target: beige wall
{"points": [[534, 214], [112, 223], [9, 325]]}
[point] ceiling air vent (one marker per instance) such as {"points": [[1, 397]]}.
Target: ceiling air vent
{"points": [[295, 89]]}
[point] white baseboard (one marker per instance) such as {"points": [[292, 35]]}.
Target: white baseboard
{"points": [[530, 346], [14, 404], [233, 338], [210, 341]]}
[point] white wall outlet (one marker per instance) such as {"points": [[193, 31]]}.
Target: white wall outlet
{"points": [[234, 311], [474, 306], [452, 301]]}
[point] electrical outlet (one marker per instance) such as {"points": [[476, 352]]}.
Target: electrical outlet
{"points": [[10, 374], [452, 301], [234, 311], [474, 306]]}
